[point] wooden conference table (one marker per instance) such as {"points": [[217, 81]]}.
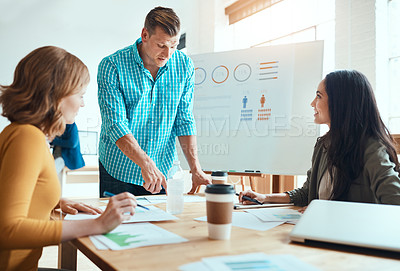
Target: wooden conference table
{"points": [[274, 241]]}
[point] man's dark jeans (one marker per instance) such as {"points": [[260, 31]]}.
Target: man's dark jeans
{"points": [[110, 184]]}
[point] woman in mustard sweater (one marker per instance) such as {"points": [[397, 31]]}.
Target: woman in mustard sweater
{"points": [[46, 94]]}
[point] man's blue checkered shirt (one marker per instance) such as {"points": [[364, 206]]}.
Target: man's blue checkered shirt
{"points": [[153, 111]]}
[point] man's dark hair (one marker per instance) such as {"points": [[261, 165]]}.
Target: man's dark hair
{"points": [[165, 18]]}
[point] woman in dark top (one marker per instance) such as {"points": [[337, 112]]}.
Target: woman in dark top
{"points": [[356, 159]]}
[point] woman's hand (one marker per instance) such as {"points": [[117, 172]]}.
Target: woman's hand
{"points": [[119, 208], [251, 194], [302, 209], [72, 207]]}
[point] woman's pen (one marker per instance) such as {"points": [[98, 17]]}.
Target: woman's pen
{"points": [[109, 194], [250, 199]]}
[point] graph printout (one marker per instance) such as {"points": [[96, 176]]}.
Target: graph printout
{"points": [[134, 235], [249, 262], [276, 214]]}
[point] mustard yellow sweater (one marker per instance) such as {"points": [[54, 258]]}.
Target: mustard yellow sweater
{"points": [[29, 190]]}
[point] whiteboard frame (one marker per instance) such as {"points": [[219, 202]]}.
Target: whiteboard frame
{"points": [[283, 151]]}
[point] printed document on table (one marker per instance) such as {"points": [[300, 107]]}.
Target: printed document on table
{"points": [[251, 261], [163, 199], [141, 215], [276, 214], [134, 235], [248, 221], [238, 206], [99, 245]]}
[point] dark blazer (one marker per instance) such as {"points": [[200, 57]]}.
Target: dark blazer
{"points": [[377, 183]]}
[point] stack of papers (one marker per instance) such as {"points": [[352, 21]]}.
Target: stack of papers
{"points": [[248, 221], [276, 215], [247, 262], [262, 219], [163, 198], [257, 206], [135, 235], [141, 215]]}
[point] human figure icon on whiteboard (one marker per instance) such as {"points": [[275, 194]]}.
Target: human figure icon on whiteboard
{"points": [[262, 100], [356, 159], [244, 101]]}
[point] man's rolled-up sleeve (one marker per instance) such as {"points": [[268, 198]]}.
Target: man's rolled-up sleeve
{"points": [[184, 123], [111, 101]]}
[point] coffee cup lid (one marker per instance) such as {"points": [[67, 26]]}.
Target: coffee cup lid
{"points": [[219, 173], [220, 189]]}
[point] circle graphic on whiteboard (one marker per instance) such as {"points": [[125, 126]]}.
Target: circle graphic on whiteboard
{"points": [[220, 74], [242, 72], [200, 76]]}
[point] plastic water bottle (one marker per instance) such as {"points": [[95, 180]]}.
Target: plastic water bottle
{"points": [[175, 188]]}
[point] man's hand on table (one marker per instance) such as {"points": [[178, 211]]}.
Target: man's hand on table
{"points": [[154, 180], [198, 178]]}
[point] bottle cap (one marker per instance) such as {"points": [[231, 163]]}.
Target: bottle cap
{"points": [[220, 189], [219, 173]]}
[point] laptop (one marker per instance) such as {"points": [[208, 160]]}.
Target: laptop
{"points": [[375, 226]]}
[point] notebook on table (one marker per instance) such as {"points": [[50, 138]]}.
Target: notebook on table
{"points": [[367, 225]]}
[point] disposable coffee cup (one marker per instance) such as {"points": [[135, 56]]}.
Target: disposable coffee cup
{"points": [[219, 177], [219, 201]]}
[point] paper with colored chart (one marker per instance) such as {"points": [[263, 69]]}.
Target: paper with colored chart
{"points": [[248, 221], [141, 215], [134, 235], [144, 200], [247, 262], [276, 214]]}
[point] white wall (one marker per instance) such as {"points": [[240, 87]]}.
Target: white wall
{"points": [[90, 29], [361, 44]]}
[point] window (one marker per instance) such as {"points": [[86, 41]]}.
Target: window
{"points": [[290, 21], [88, 141], [394, 65]]}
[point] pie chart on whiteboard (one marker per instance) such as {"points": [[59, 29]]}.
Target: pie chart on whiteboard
{"points": [[220, 74], [200, 76], [242, 72]]}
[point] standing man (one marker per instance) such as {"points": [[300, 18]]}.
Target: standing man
{"points": [[146, 100]]}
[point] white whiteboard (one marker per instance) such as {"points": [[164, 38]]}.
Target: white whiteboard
{"points": [[252, 108]]}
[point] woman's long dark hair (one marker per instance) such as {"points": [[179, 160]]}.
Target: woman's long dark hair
{"points": [[354, 118]]}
